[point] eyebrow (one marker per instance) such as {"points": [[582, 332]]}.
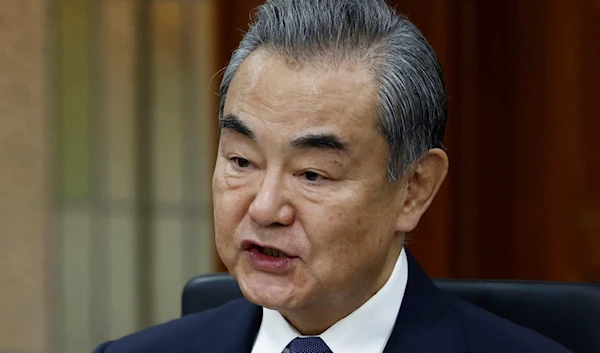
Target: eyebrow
{"points": [[320, 141], [232, 122]]}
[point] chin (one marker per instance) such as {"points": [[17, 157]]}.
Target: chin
{"points": [[268, 291]]}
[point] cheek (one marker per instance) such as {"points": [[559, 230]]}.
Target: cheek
{"points": [[229, 207], [335, 233], [227, 217], [344, 238], [229, 201], [229, 210]]}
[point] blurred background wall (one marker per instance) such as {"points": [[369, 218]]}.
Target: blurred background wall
{"points": [[107, 140], [134, 138], [108, 135], [25, 302]]}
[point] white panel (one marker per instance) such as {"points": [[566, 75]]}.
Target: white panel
{"points": [[201, 140], [167, 102], [76, 280], [74, 118], [168, 276], [122, 273], [208, 85], [119, 44]]}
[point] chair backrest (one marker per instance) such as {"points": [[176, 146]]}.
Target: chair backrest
{"points": [[568, 313]]}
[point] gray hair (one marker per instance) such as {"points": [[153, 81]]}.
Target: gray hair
{"points": [[411, 90]]}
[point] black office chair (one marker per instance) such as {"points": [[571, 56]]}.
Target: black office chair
{"points": [[568, 313]]}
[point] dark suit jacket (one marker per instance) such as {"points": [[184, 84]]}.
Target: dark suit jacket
{"points": [[429, 321]]}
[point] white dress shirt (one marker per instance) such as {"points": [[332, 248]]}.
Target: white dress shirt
{"points": [[366, 330]]}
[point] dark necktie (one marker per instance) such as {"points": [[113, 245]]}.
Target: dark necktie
{"points": [[308, 345]]}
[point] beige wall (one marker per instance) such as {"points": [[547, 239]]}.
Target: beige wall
{"points": [[24, 264], [69, 243]]}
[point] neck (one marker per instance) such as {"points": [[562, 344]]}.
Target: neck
{"points": [[317, 318]]}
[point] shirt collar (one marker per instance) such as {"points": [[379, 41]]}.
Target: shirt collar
{"points": [[366, 330]]}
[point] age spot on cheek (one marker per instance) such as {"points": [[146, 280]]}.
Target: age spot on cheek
{"points": [[337, 216]]}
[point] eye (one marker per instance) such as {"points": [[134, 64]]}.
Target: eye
{"points": [[312, 176], [240, 162]]}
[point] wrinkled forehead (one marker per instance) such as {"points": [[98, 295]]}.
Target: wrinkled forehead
{"points": [[266, 86]]}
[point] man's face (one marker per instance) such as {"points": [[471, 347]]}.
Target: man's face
{"points": [[301, 168]]}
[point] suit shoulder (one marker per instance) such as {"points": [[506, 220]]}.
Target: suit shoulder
{"points": [[489, 333], [175, 335]]}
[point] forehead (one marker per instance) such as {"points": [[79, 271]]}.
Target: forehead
{"points": [[267, 88]]}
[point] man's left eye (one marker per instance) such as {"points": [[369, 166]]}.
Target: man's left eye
{"points": [[312, 176]]}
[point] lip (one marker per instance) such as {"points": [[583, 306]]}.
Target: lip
{"points": [[248, 244], [265, 263]]}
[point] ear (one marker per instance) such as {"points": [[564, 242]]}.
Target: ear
{"points": [[422, 184]]}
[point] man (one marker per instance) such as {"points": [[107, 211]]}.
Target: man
{"points": [[332, 116]]}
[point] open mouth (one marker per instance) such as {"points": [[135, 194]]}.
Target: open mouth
{"points": [[253, 247], [270, 252], [268, 260]]}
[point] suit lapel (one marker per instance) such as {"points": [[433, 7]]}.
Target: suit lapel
{"points": [[427, 322], [233, 331]]}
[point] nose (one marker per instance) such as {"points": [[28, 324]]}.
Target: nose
{"points": [[270, 206]]}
